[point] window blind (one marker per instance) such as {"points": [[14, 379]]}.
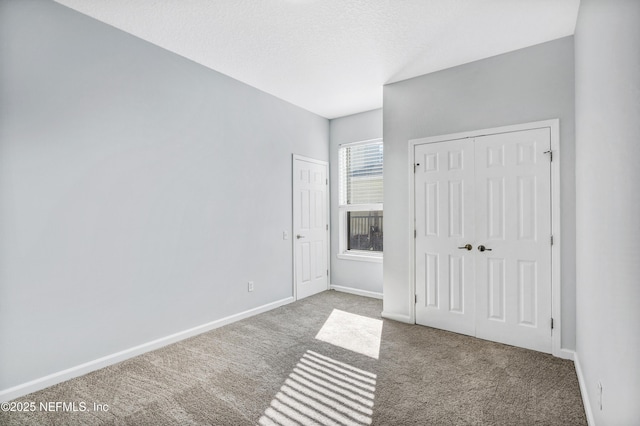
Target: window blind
{"points": [[360, 174]]}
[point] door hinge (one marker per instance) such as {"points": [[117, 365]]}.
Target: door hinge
{"points": [[550, 154], [415, 299], [414, 166], [552, 240], [326, 181], [415, 234], [327, 226], [552, 323], [327, 272]]}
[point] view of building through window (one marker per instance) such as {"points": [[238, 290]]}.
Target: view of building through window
{"points": [[365, 230], [361, 195]]}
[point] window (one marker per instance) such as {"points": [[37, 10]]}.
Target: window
{"points": [[360, 200]]}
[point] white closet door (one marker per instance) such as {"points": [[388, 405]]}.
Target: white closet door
{"points": [[493, 193], [513, 200], [444, 212]]}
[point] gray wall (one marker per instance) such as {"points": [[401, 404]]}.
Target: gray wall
{"points": [[532, 84], [139, 191], [607, 59], [351, 273]]}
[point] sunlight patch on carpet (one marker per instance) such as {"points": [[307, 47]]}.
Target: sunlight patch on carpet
{"points": [[321, 390], [352, 332]]}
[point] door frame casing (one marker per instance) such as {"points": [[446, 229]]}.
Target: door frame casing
{"points": [[554, 128], [298, 157]]}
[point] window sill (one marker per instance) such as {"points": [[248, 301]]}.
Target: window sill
{"points": [[361, 256]]}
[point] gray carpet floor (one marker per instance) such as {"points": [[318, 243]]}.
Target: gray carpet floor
{"points": [[271, 369]]}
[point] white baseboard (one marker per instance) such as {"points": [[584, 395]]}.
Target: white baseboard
{"points": [[356, 291], [565, 354], [397, 317], [87, 367], [583, 391]]}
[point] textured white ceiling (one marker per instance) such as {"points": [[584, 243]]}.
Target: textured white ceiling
{"points": [[332, 57]]}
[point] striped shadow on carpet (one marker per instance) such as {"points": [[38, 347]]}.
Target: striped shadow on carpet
{"points": [[322, 390]]}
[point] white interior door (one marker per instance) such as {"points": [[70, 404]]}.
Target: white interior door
{"points": [[445, 223], [310, 226], [513, 199], [493, 193]]}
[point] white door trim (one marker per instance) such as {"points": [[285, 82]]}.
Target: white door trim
{"points": [[554, 127], [295, 157]]}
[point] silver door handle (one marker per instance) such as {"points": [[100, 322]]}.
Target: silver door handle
{"points": [[299, 236], [466, 246], [483, 248]]}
